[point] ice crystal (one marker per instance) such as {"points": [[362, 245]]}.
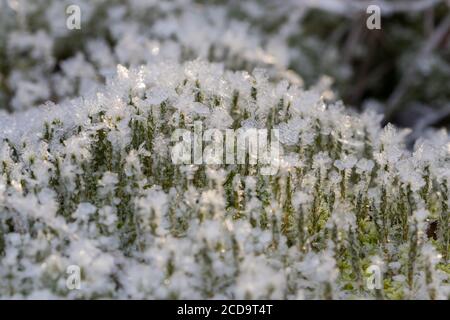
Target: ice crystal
{"points": [[91, 183]]}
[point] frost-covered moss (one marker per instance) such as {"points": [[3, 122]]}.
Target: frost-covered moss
{"points": [[402, 69], [41, 59], [91, 183]]}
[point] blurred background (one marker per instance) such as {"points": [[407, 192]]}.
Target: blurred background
{"points": [[401, 70]]}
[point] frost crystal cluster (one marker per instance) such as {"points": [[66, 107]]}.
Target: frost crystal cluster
{"points": [[90, 182], [403, 69], [41, 59]]}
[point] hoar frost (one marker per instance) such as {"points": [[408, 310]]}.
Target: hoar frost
{"points": [[91, 183]]}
